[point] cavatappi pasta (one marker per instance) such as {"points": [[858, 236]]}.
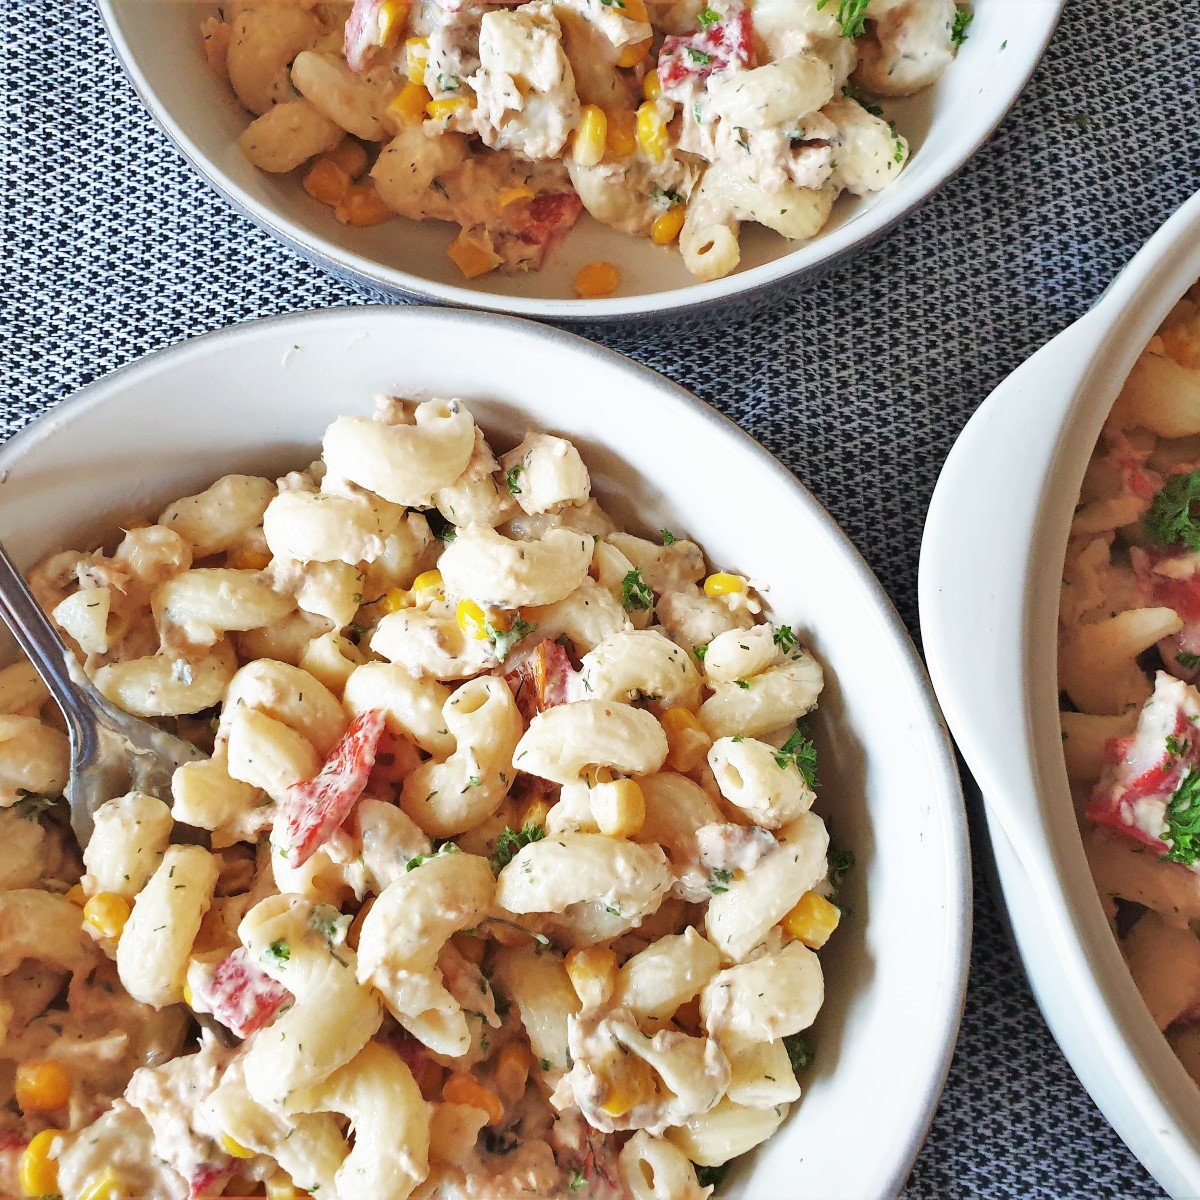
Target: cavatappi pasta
{"points": [[501, 880], [673, 121], [1129, 663]]}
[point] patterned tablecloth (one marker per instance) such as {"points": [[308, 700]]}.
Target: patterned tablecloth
{"points": [[112, 248]]}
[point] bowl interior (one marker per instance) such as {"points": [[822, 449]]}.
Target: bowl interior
{"points": [[259, 397], [161, 47]]}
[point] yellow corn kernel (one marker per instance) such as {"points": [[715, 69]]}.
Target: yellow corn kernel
{"points": [[513, 1065], [408, 108], [651, 131], [597, 279], [471, 619], [722, 583], [622, 131], [416, 56], [535, 813], [513, 194], [587, 149], [362, 206], [188, 996], [394, 599], [667, 225], [248, 558], [38, 1171], [460, 1088], [105, 914], [235, 1149], [105, 1186], [444, 109], [633, 54], [393, 16], [77, 895], [812, 920], [652, 86], [619, 808], [471, 258], [633, 1085], [593, 974], [326, 182], [42, 1085], [280, 1187], [687, 743], [349, 155], [427, 586], [635, 10]]}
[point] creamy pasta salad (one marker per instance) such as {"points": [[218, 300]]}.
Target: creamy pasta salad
{"points": [[1129, 664], [666, 119], [502, 878]]}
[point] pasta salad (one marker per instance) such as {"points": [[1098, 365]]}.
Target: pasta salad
{"points": [[1129, 664], [501, 878], [674, 120]]}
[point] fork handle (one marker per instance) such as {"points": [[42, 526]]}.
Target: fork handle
{"points": [[40, 640]]}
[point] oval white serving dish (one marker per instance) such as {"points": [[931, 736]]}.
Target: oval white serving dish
{"points": [[160, 47], [990, 574], [258, 397]]}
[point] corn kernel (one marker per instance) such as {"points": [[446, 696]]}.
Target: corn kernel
{"points": [[619, 808], [633, 54], [622, 131], [429, 583], [42, 1085], [593, 974], [812, 920], [105, 914], [326, 182], [349, 155], [587, 149], [394, 599], [362, 206], [188, 995], [597, 279], [722, 583], [248, 558], [652, 86], [408, 108], [471, 258], [633, 1085], [440, 110], [667, 225], [280, 1187], [235, 1149], [393, 16], [38, 1171], [460, 1088], [687, 743], [651, 131], [471, 619], [105, 1186], [77, 895], [416, 57], [635, 10], [534, 813], [513, 194], [513, 1065]]}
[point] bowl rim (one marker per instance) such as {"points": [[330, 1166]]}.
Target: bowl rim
{"points": [[750, 285], [942, 764]]}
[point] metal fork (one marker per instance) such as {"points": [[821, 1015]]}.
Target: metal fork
{"points": [[111, 752]]}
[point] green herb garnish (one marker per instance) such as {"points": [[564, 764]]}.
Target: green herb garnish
{"points": [[852, 93], [962, 22], [697, 56], [784, 638], [1189, 662], [511, 476], [851, 16], [513, 840], [798, 1052], [710, 1176], [718, 884], [1183, 822], [278, 952], [1174, 515], [800, 752], [505, 639], [707, 17], [636, 595]]}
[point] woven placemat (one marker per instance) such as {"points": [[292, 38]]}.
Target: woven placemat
{"points": [[113, 248]]}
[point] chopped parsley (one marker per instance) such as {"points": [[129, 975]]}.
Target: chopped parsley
{"points": [[278, 952], [800, 752], [710, 1176], [576, 1179], [512, 840], [1176, 748], [441, 527], [1189, 662], [636, 595], [668, 199], [719, 882], [742, 139], [613, 3], [511, 476], [1174, 515], [852, 93], [1183, 822], [31, 806], [744, 684], [898, 146], [613, 909], [697, 56], [505, 639], [668, 538], [447, 83], [851, 16], [784, 638], [544, 1063], [442, 850], [840, 861], [707, 17], [962, 22], [700, 651], [798, 1052]]}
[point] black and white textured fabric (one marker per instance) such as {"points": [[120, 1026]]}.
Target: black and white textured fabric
{"points": [[112, 248]]}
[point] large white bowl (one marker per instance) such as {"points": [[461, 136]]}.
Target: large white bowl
{"points": [[159, 43], [991, 569], [259, 396]]}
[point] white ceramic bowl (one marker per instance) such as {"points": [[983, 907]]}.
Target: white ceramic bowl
{"points": [[991, 566], [258, 397], [159, 44]]}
